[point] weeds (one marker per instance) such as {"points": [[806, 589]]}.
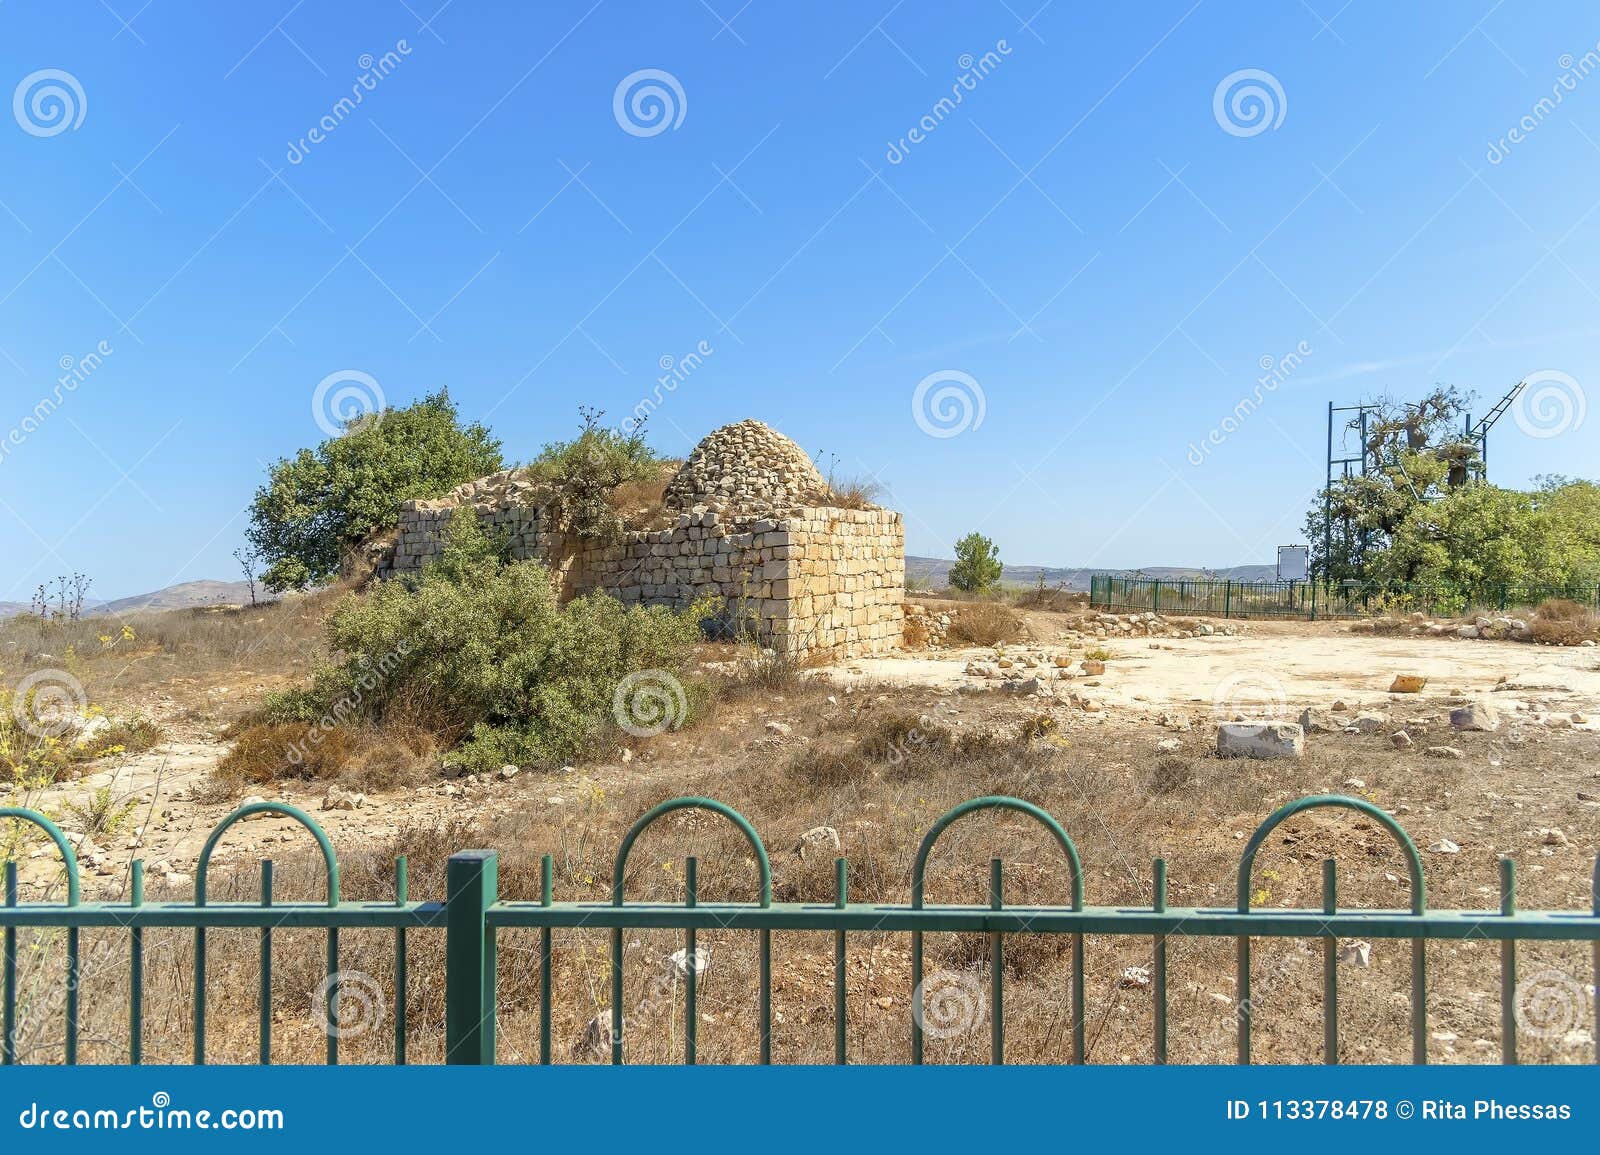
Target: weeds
{"points": [[103, 814], [986, 624], [1562, 622]]}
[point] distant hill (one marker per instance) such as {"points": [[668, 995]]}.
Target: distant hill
{"points": [[936, 572], [183, 596]]}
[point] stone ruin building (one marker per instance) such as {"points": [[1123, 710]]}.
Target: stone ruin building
{"points": [[752, 523]]}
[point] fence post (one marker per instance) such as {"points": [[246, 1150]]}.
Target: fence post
{"points": [[1227, 598], [472, 886], [1155, 596]]}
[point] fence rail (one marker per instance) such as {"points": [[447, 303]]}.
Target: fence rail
{"points": [[472, 915], [1313, 600]]}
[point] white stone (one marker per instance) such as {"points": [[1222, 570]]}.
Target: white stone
{"points": [[1260, 740], [817, 840], [1477, 714]]}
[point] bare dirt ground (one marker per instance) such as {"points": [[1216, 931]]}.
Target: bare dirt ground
{"points": [[874, 749]]}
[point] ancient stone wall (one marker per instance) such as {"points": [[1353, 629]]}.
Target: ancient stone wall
{"points": [[806, 579]]}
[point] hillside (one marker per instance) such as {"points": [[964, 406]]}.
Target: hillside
{"points": [[936, 571], [183, 596]]}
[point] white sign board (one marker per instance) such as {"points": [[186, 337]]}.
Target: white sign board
{"points": [[1293, 562]]}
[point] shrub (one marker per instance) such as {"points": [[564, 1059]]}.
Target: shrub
{"points": [[893, 737], [34, 757], [985, 624], [1562, 622], [854, 493], [596, 473], [478, 654], [365, 757], [1172, 774]]}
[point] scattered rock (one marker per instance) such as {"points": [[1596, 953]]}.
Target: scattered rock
{"points": [[780, 729], [1445, 846], [1407, 684], [1444, 752], [1368, 723], [683, 964], [817, 840], [1135, 979], [1401, 740], [1477, 714], [1356, 953], [508, 772], [1169, 745], [595, 1041], [1314, 721], [337, 799], [1029, 686], [1092, 667], [1260, 740], [1556, 837]]}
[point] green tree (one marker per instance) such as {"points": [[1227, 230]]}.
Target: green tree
{"points": [[1413, 457], [322, 503], [977, 564], [1470, 536]]}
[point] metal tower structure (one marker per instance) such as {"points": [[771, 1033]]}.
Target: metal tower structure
{"points": [[1367, 456]]}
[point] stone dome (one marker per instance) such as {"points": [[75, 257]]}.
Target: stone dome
{"points": [[747, 467]]}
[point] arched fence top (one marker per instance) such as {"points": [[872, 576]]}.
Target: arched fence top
{"points": [[1419, 896], [300, 816], [68, 859], [763, 866], [998, 802]]}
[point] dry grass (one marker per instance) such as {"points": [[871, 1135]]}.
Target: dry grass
{"points": [[855, 493], [365, 758], [176, 652], [880, 773], [641, 504], [1561, 622], [985, 624], [880, 768], [1056, 598]]}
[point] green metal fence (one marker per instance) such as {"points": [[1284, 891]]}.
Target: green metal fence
{"points": [[1312, 600], [472, 917]]}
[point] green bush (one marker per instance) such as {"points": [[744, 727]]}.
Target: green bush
{"points": [[478, 652], [585, 475]]}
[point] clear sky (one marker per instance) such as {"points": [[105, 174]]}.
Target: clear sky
{"points": [[1093, 242]]}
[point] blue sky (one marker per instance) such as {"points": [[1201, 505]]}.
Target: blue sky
{"points": [[1089, 242]]}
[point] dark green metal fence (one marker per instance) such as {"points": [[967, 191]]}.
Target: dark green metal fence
{"points": [[1312, 600], [472, 916]]}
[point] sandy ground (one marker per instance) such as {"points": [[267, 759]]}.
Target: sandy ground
{"points": [[1296, 666]]}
